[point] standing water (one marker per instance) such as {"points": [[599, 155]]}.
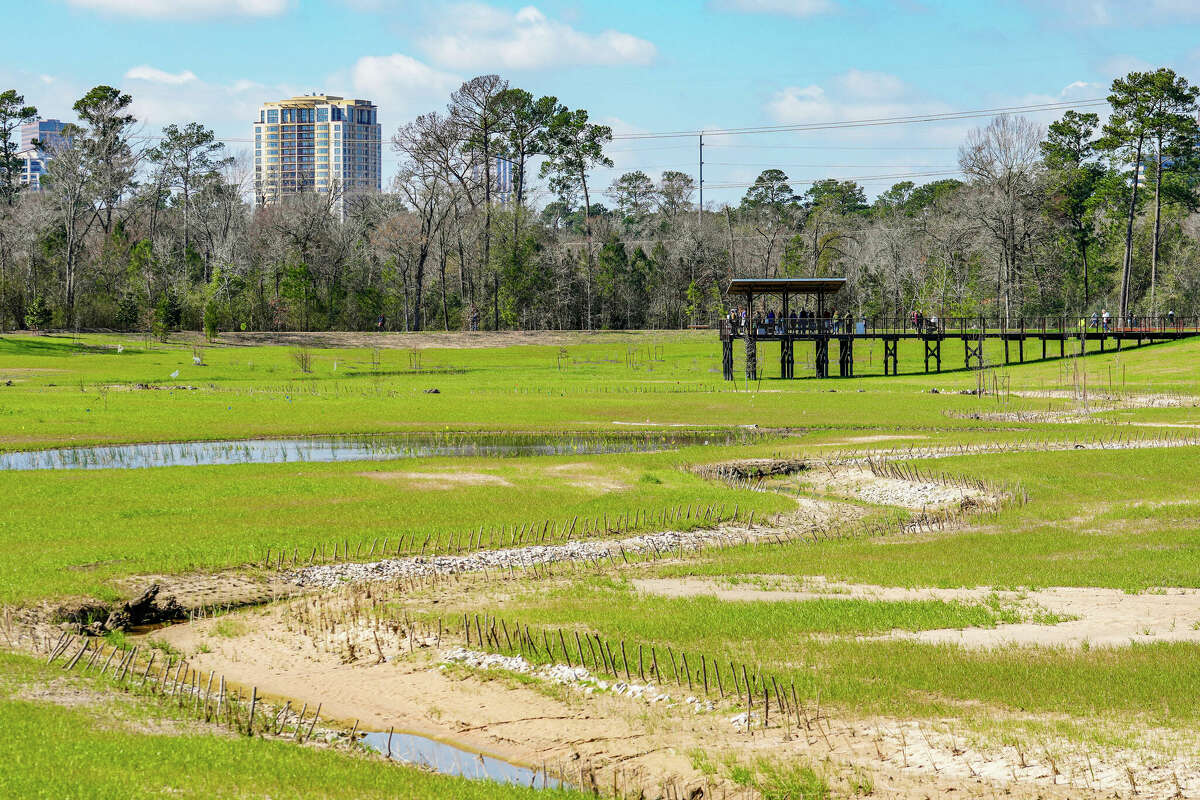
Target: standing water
{"points": [[450, 760], [360, 448]]}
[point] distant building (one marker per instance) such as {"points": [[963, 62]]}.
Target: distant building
{"points": [[38, 142], [317, 143], [502, 179]]}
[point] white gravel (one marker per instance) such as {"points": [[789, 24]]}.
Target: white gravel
{"points": [[578, 677], [332, 575]]}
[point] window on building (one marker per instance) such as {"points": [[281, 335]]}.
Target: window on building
{"points": [[273, 115], [322, 115]]}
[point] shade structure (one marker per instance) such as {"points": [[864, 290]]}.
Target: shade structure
{"points": [[818, 286]]}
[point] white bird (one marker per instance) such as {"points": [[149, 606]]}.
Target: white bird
{"points": [[196, 360], [120, 349], [175, 374]]}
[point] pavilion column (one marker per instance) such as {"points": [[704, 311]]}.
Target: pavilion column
{"points": [[751, 340]]}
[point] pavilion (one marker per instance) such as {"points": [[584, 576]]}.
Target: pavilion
{"points": [[819, 327]]}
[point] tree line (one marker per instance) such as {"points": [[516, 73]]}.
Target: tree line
{"points": [[155, 233]]}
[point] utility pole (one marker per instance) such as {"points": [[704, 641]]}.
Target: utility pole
{"points": [[700, 208]]}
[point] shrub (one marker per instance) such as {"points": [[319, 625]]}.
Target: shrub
{"points": [[37, 315], [211, 320], [303, 358]]}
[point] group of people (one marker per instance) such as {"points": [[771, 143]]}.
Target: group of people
{"points": [[795, 322], [924, 324], [1102, 320]]}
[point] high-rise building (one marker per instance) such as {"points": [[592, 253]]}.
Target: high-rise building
{"points": [[317, 143], [502, 179], [38, 142]]}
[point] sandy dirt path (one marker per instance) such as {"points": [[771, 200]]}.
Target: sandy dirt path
{"points": [[1100, 617], [641, 745]]}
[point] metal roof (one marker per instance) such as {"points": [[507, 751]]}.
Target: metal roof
{"points": [[789, 285]]}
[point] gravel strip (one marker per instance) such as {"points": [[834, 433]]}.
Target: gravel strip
{"points": [[578, 677], [332, 575]]}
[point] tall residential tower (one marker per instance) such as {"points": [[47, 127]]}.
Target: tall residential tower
{"points": [[317, 143], [39, 140]]}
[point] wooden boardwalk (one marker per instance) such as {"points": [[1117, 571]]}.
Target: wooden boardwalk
{"points": [[1057, 336]]}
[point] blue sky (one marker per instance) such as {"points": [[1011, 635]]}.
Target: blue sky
{"points": [[638, 65]]}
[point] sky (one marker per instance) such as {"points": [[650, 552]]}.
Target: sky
{"points": [[640, 66]]}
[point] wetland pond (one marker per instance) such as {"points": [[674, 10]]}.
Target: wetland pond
{"points": [[447, 759], [384, 447]]}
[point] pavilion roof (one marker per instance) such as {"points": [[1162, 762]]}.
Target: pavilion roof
{"points": [[788, 285]]}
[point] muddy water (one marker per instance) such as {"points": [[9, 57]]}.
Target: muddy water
{"points": [[450, 760], [357, 448]]}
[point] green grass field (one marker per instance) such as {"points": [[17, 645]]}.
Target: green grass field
{"points": [[1125, 519], [92, 741]]}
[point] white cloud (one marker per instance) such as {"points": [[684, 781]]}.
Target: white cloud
{"points": [[854, 95], [483, 37], [162, 98], [1125, 13], [153, 75], [859, 95], [791, 8], [185, 9], [1119, 66], [874, 85], [401, 86]]}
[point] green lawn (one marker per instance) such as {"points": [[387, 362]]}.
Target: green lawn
{"points": [[1127, 518], [69, 736]]}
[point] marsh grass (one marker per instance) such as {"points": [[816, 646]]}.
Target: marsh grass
{"points": [[115, 746]]}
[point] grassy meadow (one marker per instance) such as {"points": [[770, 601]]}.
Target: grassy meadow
{"points": [[1126, 519], [92, 741]]}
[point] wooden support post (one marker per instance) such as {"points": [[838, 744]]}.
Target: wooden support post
{"points": [[1007, 360], [751, 340], [727, 358], [821, 345], [933, 352], [890, 359], [846, 356], [973, 349]]}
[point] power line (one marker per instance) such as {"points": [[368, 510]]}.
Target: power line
{"points": [[829, 147], [793, 128], [857, 179], [862, 123], [823, 166]]}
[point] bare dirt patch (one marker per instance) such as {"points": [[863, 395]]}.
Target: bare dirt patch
{"points": [[455, 340], [213, 590], [882, 437], [862, 484], [401, 684], [61, 693], [586, 476], [438, 480], [1097, 617]]}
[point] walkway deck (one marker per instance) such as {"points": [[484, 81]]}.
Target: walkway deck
{"points": [[1053, 334]]}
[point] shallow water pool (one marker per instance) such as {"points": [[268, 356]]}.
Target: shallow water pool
{"points": [[357, 448], [450, 760]]}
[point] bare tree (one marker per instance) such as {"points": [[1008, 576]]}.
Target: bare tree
{"points": [[69, 184], [1003, 162]]}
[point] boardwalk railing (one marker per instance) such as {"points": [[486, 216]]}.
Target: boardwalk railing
{"points": [[991, 327]]}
